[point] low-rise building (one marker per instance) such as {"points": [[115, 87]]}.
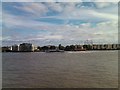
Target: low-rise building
{"points": [[78, 47], [115, 46], [6, 49], [94, 46], [109, 46], [118, 46]]}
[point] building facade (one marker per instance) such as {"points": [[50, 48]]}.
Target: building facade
{"points": [[26, 47], [15, 48]]}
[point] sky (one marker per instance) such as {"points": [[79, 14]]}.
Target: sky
{"points": [[53, 23]]}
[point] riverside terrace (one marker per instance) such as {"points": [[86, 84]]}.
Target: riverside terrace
{"points": [[28, 47]]}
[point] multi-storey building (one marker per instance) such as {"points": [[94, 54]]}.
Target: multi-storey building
{"points": [[15, 48], [26, 47]]}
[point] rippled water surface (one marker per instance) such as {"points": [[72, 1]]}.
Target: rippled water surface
{"points": [[85, 69]]}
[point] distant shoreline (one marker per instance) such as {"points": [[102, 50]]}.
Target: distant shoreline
{"points": [[58, 52], [28, 47]]}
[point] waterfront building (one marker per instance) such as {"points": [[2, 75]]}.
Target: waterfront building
{"points": [[106, 46], [77, 47], [109, 46], [36, 48], [98, 47], [15, 48], [115, 46], [94, 46], [103, 46], [6, 49], [118, 46], [26, 47]]}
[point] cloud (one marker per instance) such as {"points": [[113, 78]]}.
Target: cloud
{"points": [[83, 32], [12, 21], [68, 32], [78, 24], [85, 13], [103, 4], [35, 9], [105, 15], [40, 10], [53, 37], [55, 6], [37, 37]]}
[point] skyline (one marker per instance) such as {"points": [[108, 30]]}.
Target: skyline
{"points": [[59, 22]]}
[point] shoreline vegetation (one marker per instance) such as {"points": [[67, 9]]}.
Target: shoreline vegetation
{"points": [[28, 47]]}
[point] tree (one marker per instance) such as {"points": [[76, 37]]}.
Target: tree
{"points": [[88, 47], [67, 48], [52, 47], [39, 47], [61, 47], [72, 47], [44, 48]]}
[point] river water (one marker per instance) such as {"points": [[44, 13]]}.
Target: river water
{"points": [[85, 69]]}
